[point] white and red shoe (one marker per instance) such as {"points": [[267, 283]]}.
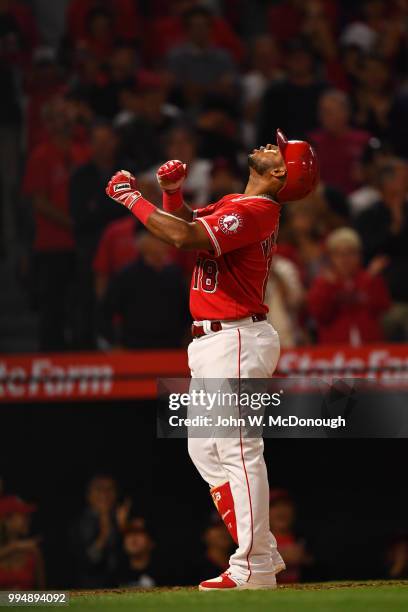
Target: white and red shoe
{"points": [[226, 582]]}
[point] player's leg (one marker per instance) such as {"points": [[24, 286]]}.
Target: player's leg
{"points": [[253, 353], [267, 356], [204, 454], [202, 447], [243, 461]]}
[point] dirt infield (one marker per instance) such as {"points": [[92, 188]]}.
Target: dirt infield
{"points": [[313, 586]]}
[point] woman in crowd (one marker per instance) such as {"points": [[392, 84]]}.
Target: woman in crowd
{"points": [[346, 300]]}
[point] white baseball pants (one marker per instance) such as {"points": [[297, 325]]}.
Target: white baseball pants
{"points": [[242, 349]]}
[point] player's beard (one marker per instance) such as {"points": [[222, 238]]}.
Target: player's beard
{"points": [[258, 166]]}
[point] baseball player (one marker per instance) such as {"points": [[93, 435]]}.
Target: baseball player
{"points": [[235, 240]]}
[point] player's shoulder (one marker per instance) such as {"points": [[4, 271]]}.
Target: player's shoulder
{"points": [[241, 200]]}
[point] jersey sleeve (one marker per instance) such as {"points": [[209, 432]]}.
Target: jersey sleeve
{"points": [[239, 224], [207, 210]]}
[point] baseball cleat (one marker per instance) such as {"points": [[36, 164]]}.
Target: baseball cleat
{"points": [[226, 582]]}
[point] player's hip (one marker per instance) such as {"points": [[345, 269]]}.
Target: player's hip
{"points": [[242, 348]]}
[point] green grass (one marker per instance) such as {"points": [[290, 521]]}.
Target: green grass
{"points": [[350, 597]]}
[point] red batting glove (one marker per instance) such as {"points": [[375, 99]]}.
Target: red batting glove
{"points": [[122, 189], [172, 175]]}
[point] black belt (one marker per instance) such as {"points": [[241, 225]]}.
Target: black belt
{"points": [[215, 326]]}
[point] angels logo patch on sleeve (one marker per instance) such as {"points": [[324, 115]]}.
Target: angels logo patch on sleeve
{"points": [[230, 223]]}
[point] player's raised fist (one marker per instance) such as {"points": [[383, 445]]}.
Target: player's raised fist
{"points": [[122, 188], [172, 175]]}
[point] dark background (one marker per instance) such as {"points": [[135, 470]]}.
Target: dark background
{"points": [[350, 494]]}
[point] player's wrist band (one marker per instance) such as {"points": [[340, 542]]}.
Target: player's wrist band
{"points": [[172, 200], [139, 207]]}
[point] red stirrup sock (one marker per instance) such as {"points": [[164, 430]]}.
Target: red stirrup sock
{"points": [[224, 502]]}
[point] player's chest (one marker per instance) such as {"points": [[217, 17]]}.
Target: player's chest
{"points": [[243, 266]]}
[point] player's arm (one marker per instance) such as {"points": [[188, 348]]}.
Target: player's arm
{"points": [[171, 177], [174, 230]]}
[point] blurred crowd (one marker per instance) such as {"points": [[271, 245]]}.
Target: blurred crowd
{"points": [[91, 86], [109, 545]]}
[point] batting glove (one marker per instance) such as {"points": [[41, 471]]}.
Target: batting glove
{"points": [[122, 189], [172, 175]]}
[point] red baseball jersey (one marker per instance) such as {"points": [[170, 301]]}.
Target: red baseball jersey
{"points": [[229, 281]]}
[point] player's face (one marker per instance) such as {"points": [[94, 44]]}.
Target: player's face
{"points": [[265, 158]]}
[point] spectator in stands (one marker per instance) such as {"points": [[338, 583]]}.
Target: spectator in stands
{"points": [[46, 185], [150, 117], [305, 226], [198, 66], [91, 211], [284, 296], [180, 142], [225, 178], [282, 517], [121, 74], [373, 97], [168, 30], [319, 28], [117, 248], [338, 146], [293, 99], [290, 19], [136, 295], [90, 208], [44, 81], [264, 68], [377, 28], [285, 19], [330, 207], [96, 537], [138, 568], [21, 561], [347, 301], [124, 18], [350, 60], [375, 156], [99, 38], [218, 129], [17, 37], [218, 546], [384, 232]]}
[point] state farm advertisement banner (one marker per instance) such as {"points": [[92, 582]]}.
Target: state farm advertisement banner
{"points": [[133, 374]]}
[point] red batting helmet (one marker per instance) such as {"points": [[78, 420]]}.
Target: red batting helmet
{"points": [[302, 168]]}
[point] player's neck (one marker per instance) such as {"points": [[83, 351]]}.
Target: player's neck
{"points": [[255, 187]]}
